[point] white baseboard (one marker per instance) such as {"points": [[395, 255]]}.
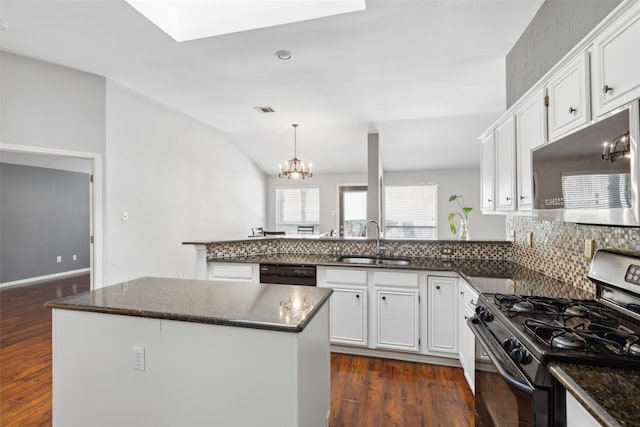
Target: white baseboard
{"points": [[45, 278], [397, 355]]}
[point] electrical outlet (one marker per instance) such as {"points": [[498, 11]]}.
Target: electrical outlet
{"points": [[446, 251], [138, 358], [588, 248], [530, 239], [58, 259], [74, 257]]}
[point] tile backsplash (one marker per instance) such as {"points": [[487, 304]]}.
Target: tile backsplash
{"points": [[558, 247]]}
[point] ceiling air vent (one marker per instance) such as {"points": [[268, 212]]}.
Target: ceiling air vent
{"points": [[264, 109]]}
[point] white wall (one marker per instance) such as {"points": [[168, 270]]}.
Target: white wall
{"points": [[460, 181], [464, 182], [179, 180]]}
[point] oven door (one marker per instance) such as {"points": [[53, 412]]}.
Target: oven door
{"points": [[504, 396]]}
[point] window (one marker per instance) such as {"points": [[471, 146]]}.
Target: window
{"points": [[297, 206], [411, 212]]}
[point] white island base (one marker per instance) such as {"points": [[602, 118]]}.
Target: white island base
{"points": [[195, 374]]}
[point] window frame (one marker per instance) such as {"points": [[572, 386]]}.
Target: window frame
{"points": [[292, 226]]}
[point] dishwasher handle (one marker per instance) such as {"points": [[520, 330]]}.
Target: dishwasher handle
{"points": [[498, 356]]}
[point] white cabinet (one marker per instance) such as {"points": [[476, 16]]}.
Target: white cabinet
{"points": [[569, 101], [397, 319], [442, 315], [487, 174], [348, 305], [615, 76], [466, 339], [348, 315], [234, 271], [577, 415], [505, 145], [531, 131]]}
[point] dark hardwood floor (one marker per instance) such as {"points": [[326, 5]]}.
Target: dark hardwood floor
{"points": [[365, 391]]}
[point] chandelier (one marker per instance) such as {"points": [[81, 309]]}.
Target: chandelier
{"points": [[294, 168]]}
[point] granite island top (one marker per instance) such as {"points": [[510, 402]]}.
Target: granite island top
{"points": [[609, 394], [286, 308]]}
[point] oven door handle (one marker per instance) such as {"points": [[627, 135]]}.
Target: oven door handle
{"points": [[520, 384]]}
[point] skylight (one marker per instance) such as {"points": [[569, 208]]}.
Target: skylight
{"points": [[195, 19]]}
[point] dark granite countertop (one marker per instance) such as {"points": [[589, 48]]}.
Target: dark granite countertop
{"points": [[485, 275], [609, 394], [286, 308]]}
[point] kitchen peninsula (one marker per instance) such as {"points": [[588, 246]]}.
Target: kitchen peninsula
{"points": [[167, 352]]}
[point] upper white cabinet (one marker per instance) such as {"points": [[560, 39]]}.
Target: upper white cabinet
{"points": [[531, 130], [505, 145], [616, 64], [487, 173], [568, 91]]}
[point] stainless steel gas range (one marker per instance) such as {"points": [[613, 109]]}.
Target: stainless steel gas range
{"points": [[519, 335]]}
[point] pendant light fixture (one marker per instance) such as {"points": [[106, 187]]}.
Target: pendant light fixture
{"points": [[294, 168]]}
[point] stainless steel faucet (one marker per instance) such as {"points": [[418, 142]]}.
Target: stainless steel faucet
{"points": [[379, 248]]}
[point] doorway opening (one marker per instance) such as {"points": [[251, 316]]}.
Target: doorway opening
{"points": [[352, 205], [73, 162]]}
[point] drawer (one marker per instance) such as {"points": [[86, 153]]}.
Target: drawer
{"points": [[230, 270], [342, 276], [396, 278]]}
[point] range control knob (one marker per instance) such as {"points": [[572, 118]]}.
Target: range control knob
{"points": [[510, 344], [521, 355], [484, 314]]}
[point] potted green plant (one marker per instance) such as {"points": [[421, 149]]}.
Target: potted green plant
{"points": [[463, 214]]}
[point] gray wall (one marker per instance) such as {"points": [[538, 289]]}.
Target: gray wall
{"points": [[557, 27], [44, 213]]}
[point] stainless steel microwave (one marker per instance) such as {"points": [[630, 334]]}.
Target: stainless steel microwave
{"points": [[591, 176]]}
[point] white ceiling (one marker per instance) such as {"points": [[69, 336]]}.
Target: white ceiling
{"points": [[428, 76]]}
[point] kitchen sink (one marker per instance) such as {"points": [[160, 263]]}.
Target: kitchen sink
{"points": [[372, 260]]}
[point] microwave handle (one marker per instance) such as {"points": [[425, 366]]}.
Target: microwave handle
{"points": [[521, 385]]}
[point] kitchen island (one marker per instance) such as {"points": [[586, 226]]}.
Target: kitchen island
{"points": [[168, 352]]}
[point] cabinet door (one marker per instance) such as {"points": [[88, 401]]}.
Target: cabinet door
{"points": [[232, 271], [397, 319], [505, 137], [616, 62], [348, 319], [442, 314], [531, 125], [487, 173], [569, 102]]}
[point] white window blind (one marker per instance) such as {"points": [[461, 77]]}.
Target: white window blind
{"points": [[411, 212], [297, 206], [597, 191]]}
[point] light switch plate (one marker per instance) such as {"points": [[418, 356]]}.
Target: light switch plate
{"points": [[138, 358]]}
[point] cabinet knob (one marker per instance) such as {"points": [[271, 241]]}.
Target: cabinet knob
{"points": [[461, 292], [572, 110], [466, 317], [508, 198], [522, 197], [473, 302], [357, 295], [384, 298], [438, 287], [607, 89]]}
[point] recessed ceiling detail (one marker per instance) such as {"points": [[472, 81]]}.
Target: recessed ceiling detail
{"points": [[196, 19]]}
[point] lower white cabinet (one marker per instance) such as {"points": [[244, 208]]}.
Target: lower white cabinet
{"points": [[397, 319], [234, 271], [349, 315], [466, 339], [442, 315], [577, 415]]}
